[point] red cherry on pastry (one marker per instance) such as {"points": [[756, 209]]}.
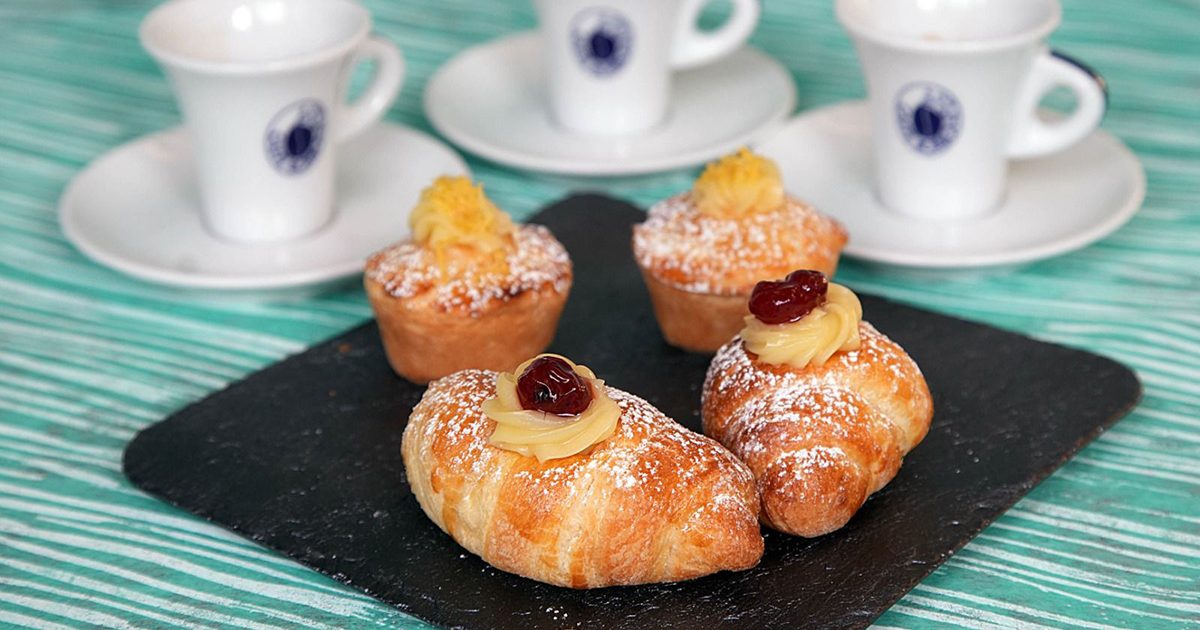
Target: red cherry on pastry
{"points": [[550, 385], [790, 299]]}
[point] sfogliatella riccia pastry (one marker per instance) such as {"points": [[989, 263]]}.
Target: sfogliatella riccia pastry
{"points": [[470, 289], [820, 405], [548, 473], [701, 252]]}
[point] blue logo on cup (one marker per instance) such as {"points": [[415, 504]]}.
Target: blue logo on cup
{"points": [[294, 135], [602, 39], [929, 116]]}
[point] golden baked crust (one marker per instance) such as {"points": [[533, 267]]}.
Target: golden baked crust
{"points": [[697, 322], [477, 311], [688, 250], [819, 440], [423, 343], [653, 503]]}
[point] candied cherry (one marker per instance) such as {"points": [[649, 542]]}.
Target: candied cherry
{"points": [[790, 299], [550, 385]]}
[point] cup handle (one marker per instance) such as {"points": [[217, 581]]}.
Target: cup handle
{"points": [[354, 118], [1033, 136], [694, 47]]}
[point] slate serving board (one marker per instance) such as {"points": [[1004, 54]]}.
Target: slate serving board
{"points": [[304, 457]]}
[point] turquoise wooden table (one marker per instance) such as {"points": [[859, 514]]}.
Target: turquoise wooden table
{"points": [[88, 356]]}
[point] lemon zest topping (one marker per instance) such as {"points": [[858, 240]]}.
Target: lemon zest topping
{"points": [[739, 185], [454, 212]]}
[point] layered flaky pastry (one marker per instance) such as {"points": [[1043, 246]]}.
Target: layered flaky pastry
{"points": [[640, 500]]}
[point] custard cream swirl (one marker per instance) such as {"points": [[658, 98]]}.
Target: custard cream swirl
{"points": [[828, 329], [547, 436]]}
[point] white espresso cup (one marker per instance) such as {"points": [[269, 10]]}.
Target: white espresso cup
{"points": [[609, 62], [954, 87], [262, 85]]}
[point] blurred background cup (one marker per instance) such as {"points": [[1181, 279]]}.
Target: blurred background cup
{"points": [[609, 63], [954, 87], [262, 85]]}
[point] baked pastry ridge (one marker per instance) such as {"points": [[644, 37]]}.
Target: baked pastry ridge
{"points": [[820, 436], [651, 502]]}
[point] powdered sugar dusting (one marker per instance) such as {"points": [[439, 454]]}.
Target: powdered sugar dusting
{"points": [[536, 261], [822, 413], [686, 249], [732, 369], [793, 469]]}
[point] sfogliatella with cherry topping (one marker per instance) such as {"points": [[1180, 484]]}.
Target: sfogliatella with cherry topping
{"points": [[820, 405], [549, 473]]}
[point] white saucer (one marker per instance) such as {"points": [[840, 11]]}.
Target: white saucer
{"points": [[136, 209], [489, 100], [1055, 204]]}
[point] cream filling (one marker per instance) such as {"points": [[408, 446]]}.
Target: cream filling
{"points": [[828, 329], [547, 436]]}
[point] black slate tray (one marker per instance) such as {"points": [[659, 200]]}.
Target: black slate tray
{"points": [[304, 457]]}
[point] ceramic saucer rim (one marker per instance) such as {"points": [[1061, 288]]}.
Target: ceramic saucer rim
{"points": [[594, 168], [69, 219], [934, 260]]}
